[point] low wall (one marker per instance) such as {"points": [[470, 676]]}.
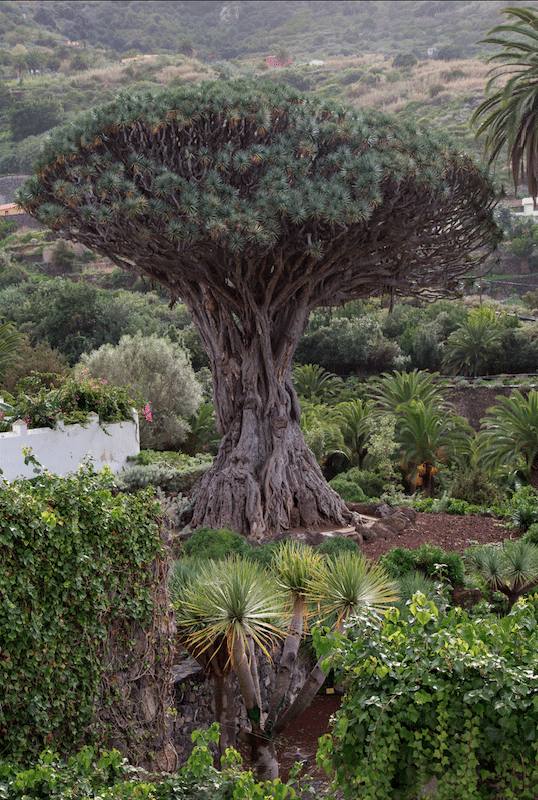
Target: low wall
{"points": [[194, 704], [63, 449]]}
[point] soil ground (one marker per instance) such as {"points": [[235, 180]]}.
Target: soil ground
{"points": [[448, 532]]}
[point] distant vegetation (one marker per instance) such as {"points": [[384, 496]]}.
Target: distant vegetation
{"points": [[416, 59]]}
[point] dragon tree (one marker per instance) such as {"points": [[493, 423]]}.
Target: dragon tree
{"points": [[254, 204]]}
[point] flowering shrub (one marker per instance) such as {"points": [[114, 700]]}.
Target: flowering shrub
{"points": [[72, 401]]}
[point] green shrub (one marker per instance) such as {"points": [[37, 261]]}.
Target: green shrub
{"points": [[474, 487], [429, 559], [334, 545], [435, 696], [531, 534], [208, 543], [110, 777], [169, 479], [398, 562], [348, 490], [523, 508], [372, 482]]}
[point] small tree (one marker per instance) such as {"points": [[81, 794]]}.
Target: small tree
{"points": [[230, 611], [255, 204], [159, 372]]}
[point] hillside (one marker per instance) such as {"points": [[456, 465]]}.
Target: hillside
{"points": [[418, 59]]}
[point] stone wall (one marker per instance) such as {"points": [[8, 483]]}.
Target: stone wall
{"points": [[194, 704]]}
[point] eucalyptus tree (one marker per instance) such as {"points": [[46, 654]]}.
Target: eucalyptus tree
{"points": [[255, 204], [230, 612], [509, 116]]}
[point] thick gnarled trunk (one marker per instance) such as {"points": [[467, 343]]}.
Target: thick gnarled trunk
{"points": [[264, 479]]}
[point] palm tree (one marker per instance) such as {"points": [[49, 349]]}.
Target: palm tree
{"points": [[10, 342], [511, 569], [509, 436], [315, 384], [228, 612], [392, 391], [509, 117], [468, 349], [427, 436], [356, 425]]}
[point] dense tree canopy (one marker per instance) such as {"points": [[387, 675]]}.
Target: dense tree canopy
{"points": [[254, 204]]}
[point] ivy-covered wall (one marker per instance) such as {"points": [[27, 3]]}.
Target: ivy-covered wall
{"points": [[85, 624]]}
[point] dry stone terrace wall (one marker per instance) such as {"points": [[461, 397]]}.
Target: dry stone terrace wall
{"points": [[194, 704]]}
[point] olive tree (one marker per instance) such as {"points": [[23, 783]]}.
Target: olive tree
{"points": [[159, 374], [255, 204]]}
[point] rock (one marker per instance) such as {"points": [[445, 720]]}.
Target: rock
{"points": [[357, 537], [311, 537], [398, 521], [383, 510], [383, 530], [410, 513], [368, 533], [367, 509]]}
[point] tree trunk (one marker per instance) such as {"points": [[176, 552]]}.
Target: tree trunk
{"points": [[225, 711], [264, 479]]}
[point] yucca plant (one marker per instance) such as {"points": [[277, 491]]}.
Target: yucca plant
{"points": [[229, 612], [511, 569]]}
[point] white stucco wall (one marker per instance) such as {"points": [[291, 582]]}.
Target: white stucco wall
{"points": [[63, 449]]}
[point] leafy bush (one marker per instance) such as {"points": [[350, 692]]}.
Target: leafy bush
{"points": [[71, 401], [75, 558], [334, 545], [348, 490], [429, 559], [474, 487], [523, 508], [159, 370], [531, 534], [169, 479], [110, 777], [436, 696], [371, 481], [208, 543]]}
